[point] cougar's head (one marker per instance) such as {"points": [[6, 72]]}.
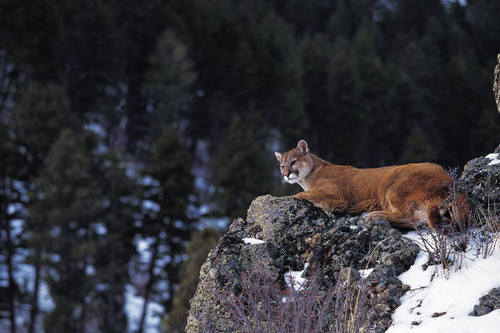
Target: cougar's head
{"points": [[296, 164]]}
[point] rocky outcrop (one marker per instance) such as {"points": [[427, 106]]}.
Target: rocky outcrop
{"points": [[295, 233], [481, 179], [496, 83]]}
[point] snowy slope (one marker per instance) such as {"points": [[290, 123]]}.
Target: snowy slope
{"points": [[454, 293]]}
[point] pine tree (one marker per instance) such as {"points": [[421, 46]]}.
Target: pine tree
{"points": [[279, 97], [167, 226], [89, 207], [169, 79], [377, 122], [42, 111], [36, 120], [307, 17], [141, 24], [114, 232], [243, 168], [68, 206], [485, 135], [347, 17], [343, 117], [418, 148], [482, 20], [316, 54], [10, 241], [197, 250]]}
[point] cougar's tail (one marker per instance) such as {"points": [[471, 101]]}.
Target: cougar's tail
{"points": [[434, 215], [458, 212], [461, 210]]}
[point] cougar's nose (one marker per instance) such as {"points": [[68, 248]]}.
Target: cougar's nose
{"points": [[286, 173]]}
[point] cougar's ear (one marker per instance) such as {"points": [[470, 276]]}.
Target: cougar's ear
{"points": [[279, 156], [302, 146]]}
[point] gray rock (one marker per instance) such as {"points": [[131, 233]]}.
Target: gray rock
{"points": [[482, 183], [487, 303], [496, 83], [296, 232]]}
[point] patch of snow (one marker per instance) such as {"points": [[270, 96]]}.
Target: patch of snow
{"points": [[204, 209], [96, 129], [295, 280], [143, 247], [21, 189], [148, 181], [101, 149], [89, 270], [45, 300], [353, 227], [100, 228], [365, 272], [16, 228], [494, 158], [15, 207], [150, 205], [253, 241], [454, 294]]}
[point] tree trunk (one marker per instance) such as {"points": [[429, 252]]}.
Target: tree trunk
{"points": [[36, 287], [11, 291], [12, 288], [149, 287]]}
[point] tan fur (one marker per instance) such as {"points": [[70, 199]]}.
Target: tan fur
{"points": [[408, 196]]}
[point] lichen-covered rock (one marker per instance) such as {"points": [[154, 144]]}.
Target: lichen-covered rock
{"points": [[496, 83], [384, 291], [295, 232], [487, 303], [223, 265], [481, 179], [352, 241]]}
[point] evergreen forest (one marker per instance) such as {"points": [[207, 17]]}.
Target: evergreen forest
{"points": [[132, 132]]}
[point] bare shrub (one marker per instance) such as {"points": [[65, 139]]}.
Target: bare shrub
{"points": [[258, 303], [454, 242], [487, 235]]}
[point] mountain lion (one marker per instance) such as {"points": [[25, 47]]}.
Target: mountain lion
{"points": [[408, 196]]}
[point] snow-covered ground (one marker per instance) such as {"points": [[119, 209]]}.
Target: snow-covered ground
{"points": [[448, 295], [253, 241], [295, 279]]}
